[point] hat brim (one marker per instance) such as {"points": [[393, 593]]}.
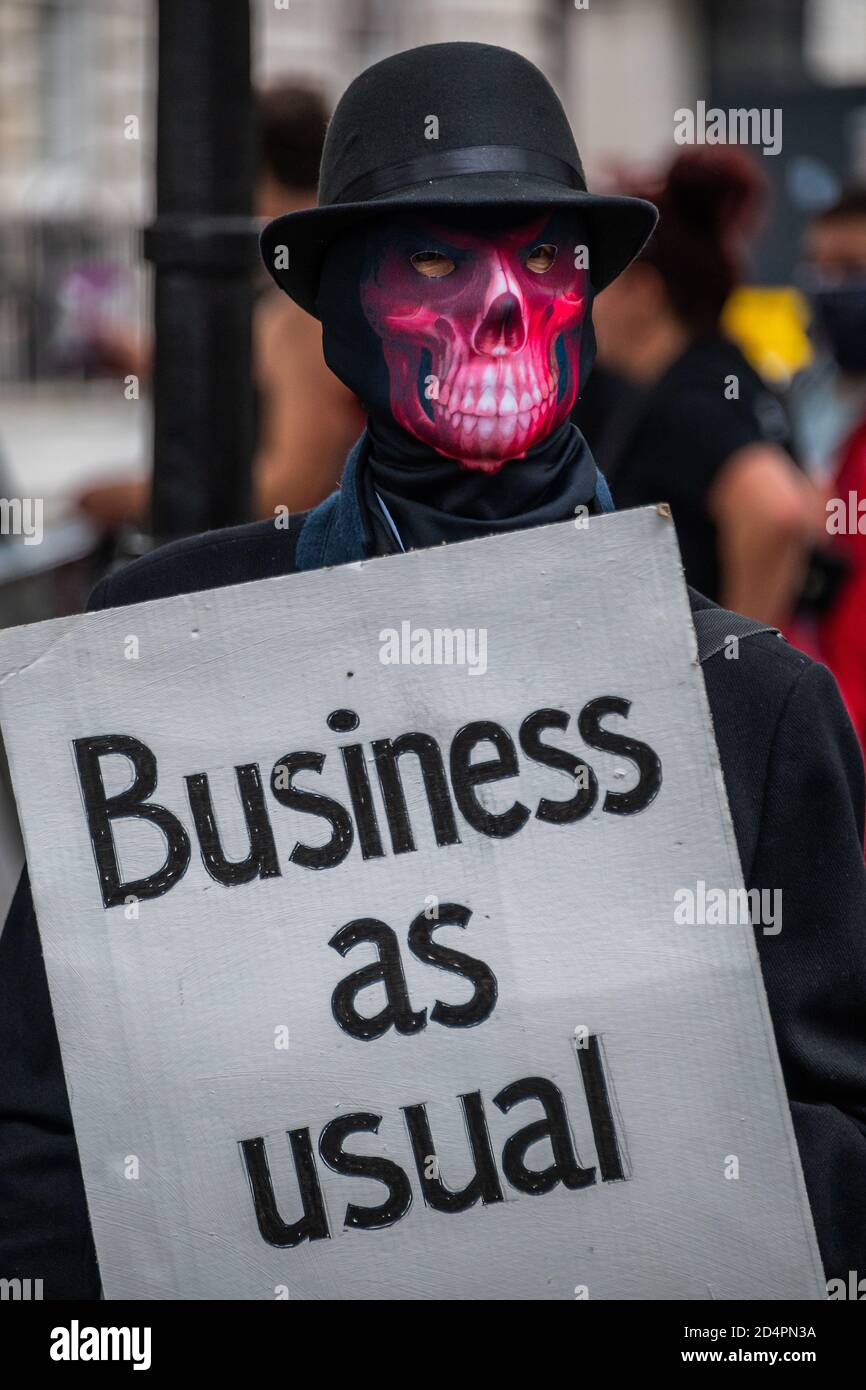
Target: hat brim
{"points": [[617, 227]]}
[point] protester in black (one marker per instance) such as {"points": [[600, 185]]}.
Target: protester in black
{"points": [[675, 439], [420, 476], [697, 426]]}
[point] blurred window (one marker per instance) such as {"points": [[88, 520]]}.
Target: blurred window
{"points": [[751, 42], [835, 40], [63, 44]]}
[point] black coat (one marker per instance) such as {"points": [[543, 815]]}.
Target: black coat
{"points": [[795, 783]]}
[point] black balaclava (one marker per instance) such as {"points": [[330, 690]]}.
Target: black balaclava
{"points": [[467, 337]]}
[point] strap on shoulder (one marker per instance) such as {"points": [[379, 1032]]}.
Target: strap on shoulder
{"points": [[714, 626]]}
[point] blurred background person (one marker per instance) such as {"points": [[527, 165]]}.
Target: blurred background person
{"points": [[830, 413], [828, 398], [692, 423], [306, 419]]}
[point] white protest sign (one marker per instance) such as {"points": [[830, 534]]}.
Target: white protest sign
{"points": [[357, 896]]}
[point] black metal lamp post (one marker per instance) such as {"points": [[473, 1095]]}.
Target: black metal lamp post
{"points": [[204, 248]]}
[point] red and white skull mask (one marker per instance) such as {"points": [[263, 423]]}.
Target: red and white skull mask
{"points": [[480, 333]]}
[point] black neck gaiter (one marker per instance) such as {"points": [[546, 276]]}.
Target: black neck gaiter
{"points": [[431, 500]]}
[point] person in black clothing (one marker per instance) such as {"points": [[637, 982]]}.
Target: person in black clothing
{"points": [[693, 423], [416, 477]]}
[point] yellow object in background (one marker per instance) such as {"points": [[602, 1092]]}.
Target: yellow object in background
{"points": [[769, 324]]}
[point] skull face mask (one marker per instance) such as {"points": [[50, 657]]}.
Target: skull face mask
{"points": [[480, 333], [466, 335]]}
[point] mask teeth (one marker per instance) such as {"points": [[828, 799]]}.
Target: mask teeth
{"points": [[447, 386], [470, 421], [492, 437], [487, 395]]}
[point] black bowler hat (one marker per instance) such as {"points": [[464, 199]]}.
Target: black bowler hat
{"points": [[503, 139]]}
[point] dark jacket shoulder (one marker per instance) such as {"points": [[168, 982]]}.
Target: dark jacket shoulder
{"points": [[748, 690], [236, 555]]}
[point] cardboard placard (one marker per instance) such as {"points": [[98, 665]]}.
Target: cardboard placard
{"points": [[357, 891]]}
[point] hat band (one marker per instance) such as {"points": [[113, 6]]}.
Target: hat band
{"points": [[473, 159]]}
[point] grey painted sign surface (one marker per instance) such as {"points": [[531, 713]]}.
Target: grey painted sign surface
{"points": [[389, 998]]}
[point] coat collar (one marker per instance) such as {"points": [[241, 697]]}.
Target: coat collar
{"points": [[334, 532]]}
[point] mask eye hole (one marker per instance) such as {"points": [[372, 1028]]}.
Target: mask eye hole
{"points": [[541, 258], [432, 264]]}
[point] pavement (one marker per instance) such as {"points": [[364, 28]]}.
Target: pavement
{"points": [[56, 439]]}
